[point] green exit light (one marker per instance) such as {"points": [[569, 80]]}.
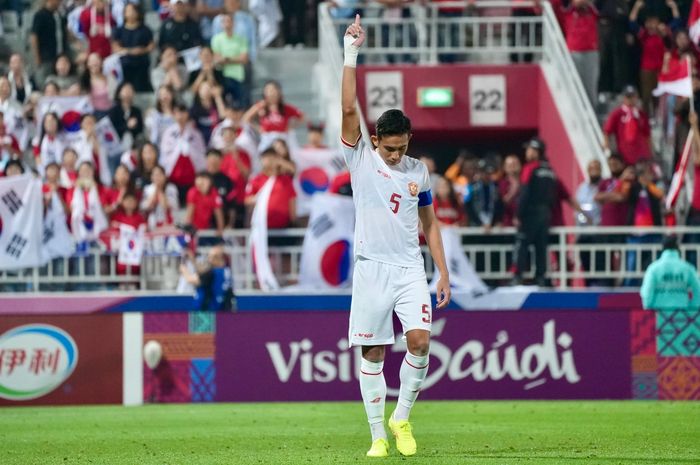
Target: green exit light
{"points": [[436, 97]]}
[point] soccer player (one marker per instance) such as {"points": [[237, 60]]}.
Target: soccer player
{"points": [[391, 193]]}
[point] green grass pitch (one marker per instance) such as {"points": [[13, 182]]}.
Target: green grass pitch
{"points": [[503, 433]]}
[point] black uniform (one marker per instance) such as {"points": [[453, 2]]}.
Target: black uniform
{"points": [[535, 215]]}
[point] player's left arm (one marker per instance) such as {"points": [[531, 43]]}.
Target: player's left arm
{"points": [[431, 229]]}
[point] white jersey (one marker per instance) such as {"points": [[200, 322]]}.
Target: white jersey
{"points": [[386, 205]]}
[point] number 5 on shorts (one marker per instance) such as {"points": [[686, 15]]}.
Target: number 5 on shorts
{"points": [[426, 313]]}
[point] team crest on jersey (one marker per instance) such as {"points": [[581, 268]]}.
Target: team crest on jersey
{"points": [[413, 188]]}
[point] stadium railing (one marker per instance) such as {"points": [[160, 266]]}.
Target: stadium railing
{"points": [[619, 255]]}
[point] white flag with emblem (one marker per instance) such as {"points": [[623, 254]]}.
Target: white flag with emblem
{"points": [[258, 239], [463, 276], [327, 254], [57, 240], [131, 241], [20, 222], [316, 168]]}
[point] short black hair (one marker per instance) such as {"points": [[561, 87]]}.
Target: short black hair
{"points": [[15, 163], [393, 123], [269, 152], [670, 243], [204, 174], [617, 157], [215, 152], [180, 106]]}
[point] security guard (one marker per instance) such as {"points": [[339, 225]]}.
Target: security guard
{"points": [[670, 283]]}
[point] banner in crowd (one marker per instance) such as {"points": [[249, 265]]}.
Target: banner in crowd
{"points": [[303, 356], [21, 206], [259, 237], [463, 276], [112, 66], [108, 137], [327, 254], [131, 245], [69, 110], [191, 58], [316, 168], [676, 79], [56, 238], [49, 360]]}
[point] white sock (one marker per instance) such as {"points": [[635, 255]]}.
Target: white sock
{"points": [[373, 388], [413, 371]]}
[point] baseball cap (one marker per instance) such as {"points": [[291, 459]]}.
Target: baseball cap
{"points": [[537, 144], [629, 91]]}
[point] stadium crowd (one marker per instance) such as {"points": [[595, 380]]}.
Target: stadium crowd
{"points": [[180, 163]]}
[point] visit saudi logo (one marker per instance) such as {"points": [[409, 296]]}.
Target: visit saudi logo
{"points": [[34, 360]]}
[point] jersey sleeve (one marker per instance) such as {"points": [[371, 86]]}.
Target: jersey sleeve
{"points": [[352, 152], [425, 195]]}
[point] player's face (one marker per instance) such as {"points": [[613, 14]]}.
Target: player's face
{"points": [[392, 148]]}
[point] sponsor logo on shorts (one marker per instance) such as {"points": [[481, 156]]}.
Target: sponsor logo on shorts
{"points": [[365, 335]]}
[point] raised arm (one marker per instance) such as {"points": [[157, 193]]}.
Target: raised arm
{"points": [[354, 37]]}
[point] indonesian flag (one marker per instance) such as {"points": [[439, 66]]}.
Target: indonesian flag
{"points": [[679, 175], [676, 80], [694, 21]]}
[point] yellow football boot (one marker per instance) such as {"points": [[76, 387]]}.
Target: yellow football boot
{"points": [[405, 443], [380, 448]]}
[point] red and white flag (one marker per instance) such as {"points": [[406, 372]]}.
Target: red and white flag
{"points": [[674, 189], [258, 239], [694, 22], [676, 80]]}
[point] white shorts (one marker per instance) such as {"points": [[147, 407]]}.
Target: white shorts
{"points": [[377, 290]]}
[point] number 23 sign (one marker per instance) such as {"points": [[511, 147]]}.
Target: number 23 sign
{"points": [[384, 92], [487, 100]]}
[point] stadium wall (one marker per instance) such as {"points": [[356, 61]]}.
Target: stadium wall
{"points": [[527, 345]]}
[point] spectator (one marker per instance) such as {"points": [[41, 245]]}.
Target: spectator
{"points": [[182, 151], [523, 34], [281, 211], [231, 54], [448, 211], [69, 168], [49, 145], [52, 187], [9, 106], [233, 117], [123, 184], [9, 147], [448, 36], [64, 77], [580, 25], [314, 136], [223, 185], [159, 200], [48, 38], [294, 21], [169, 73], [125, 116], [86, 199], [180, 30], [432, 170], [13, 168], [207, 109], [397, 29], [51, 89], [461, 172], [509, 189], [630, 127], [127, 212], [585, 196], [145, 163], [613, 25], [162, 116], [97, 23], [207, 73], [207, 10], [243, 25], [99, 86], [482, 203], [135, 41], [539, 185], [236, 165], [273, 116], [204, 207], [88, 148], [287, 167], [645, 210], [652, 40], [214, 282], [20, 81]]}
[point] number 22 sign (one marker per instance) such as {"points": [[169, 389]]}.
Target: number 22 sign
{"points": [[487, 100], [384, 92]]}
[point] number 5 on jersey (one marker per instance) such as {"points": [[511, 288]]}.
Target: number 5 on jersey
{"points": [[394, 201]]}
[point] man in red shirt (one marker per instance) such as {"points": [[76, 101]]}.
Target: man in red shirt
{"points": [[580, 25], [281, 212], [630, 126], [204, 206]]}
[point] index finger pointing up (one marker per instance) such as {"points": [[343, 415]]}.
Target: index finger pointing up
{"points": [[357, 19]]}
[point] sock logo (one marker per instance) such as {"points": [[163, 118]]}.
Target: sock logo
{"points": [[375, 400]]}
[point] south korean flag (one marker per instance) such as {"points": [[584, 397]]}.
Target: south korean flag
{"points": [[20, 222]]}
